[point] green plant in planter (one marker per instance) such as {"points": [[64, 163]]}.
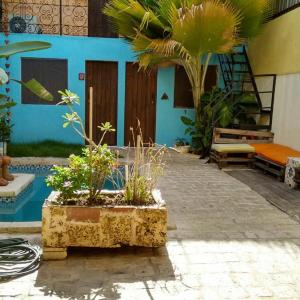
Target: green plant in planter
{"points": [[5, 129], [216, 110], [97, 163], [142, 174], [88, 171], [181, 142], [85, 172]]}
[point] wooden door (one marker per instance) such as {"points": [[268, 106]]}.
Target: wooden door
{"points": [[103, 77], [140, 103]]}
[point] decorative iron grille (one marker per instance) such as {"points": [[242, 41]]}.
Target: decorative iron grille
{"points": [[64, 17]]}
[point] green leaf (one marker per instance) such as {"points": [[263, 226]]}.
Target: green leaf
{"points": [[69, 98], [3, 96], [187, 121], [188, 131], [254, 15], [107, 127], [36, 88], [20, 47], [225, 116], [7, 105]]}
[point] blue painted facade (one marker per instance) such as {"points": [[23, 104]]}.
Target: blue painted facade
{"points": [[33, 123]]}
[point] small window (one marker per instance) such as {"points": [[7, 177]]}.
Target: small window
{"points": [[183, 96], [51, 73]]}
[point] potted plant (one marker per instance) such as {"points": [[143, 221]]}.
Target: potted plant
{"points": [[181, 145], [5, 132], [81, 213]]}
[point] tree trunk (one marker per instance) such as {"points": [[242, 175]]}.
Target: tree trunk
{"points": [[197, 79]]}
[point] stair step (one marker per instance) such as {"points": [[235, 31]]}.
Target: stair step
{"points": [[237, 72], [238, 53], [263, 111], [244, 92], [249, 104], [234, 62], [239, 81]]}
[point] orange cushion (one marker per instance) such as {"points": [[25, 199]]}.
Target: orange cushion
{"points": [[276, 153]]}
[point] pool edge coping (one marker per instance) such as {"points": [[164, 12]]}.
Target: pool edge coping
{"points": [[21, 227]]}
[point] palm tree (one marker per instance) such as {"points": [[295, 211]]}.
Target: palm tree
{"points": [[186, 32]]}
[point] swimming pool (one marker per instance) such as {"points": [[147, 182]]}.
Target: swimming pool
{"points": [[27, 207]]}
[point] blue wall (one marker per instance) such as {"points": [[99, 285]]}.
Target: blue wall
{"points": [[39, 122]]}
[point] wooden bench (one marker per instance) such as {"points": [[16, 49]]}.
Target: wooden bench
{"points": [[238, 136], [269, 166], [273, 158], [240, 155]]}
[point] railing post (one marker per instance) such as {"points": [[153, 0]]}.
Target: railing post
{"points": [[273, 100], [284, 6]]}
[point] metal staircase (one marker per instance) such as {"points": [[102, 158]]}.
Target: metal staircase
{"points": [[254, 92]]}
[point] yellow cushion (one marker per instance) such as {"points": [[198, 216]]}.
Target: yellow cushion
{"points": [[233, 148]]}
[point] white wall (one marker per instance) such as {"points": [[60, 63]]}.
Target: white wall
{"points": [[286, 116]]}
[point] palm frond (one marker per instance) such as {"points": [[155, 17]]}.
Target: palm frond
{"points": [[169, 47], [168, 10], [254, 14], [208, 27], [148, 60], [130, 16]]}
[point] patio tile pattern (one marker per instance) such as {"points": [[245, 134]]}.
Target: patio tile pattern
{"points": [[230, 243]]}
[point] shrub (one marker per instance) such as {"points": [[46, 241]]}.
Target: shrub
{"points": [[97, 163], [85, 172], [89, 170], [142, 175]]}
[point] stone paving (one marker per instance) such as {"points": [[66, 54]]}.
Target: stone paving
{"points": [[230, 243]]}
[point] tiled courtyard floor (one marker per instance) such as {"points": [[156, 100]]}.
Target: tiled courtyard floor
{"points": [[230, 243]]}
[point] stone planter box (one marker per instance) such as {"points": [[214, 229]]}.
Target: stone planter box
{"points": [[101, 226]]}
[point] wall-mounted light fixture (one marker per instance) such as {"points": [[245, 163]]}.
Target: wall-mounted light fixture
{"points": [[164, 96]]}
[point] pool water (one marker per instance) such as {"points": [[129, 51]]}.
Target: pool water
{"points": [[28, 205]]}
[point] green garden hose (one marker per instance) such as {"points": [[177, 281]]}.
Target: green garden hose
{"points": [[18, 258]]}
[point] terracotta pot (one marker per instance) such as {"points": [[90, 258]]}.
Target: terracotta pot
{"points": [[182, 149]]}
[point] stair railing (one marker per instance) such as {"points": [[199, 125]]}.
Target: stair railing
{"points": [[229, 74]]}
